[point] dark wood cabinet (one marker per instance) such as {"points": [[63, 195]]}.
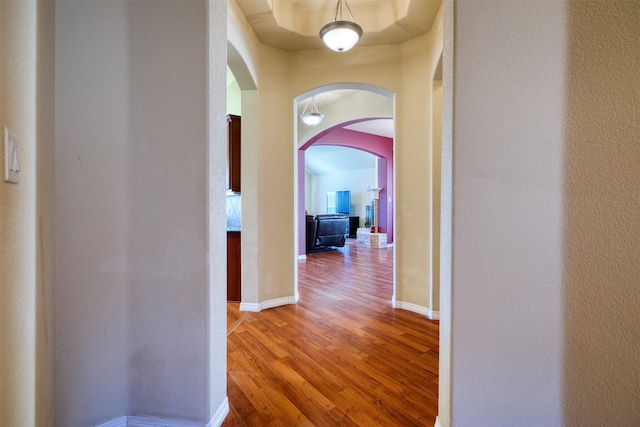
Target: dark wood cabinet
{"points": [[234, 270], [233, 155]]}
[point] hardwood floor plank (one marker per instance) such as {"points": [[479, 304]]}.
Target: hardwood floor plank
{"points": [[342, 356]]}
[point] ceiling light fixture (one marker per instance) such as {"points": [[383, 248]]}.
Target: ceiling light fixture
{"points": [[313, 117], [340, 35]]}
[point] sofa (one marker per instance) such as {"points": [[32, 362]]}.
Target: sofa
{"points": [[326, 231]]}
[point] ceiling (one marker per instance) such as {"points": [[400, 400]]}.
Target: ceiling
{"points": [[323, 159], [294, 24]]}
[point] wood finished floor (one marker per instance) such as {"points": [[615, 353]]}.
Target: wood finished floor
{"points": [[342, 356]]}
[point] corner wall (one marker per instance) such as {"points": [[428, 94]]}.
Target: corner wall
{"points": [[140, 303], [92, 179]]}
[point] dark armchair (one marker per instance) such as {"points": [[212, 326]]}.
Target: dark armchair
{"points": [[326, 231]]}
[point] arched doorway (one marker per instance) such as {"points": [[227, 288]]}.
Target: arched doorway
{"points": [[336, 131]]}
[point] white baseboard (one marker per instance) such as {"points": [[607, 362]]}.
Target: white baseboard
{"points": [[302, 257], [221, 414], [255, 307], [438, 422], [431, 314], [246, 306], [139, 421], [278, 302], [117, 422]]}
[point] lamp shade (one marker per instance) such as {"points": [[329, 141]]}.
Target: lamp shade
{"points": [[340, 36], [312, 119], [313, 116]]}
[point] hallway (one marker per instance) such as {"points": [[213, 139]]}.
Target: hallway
{"points": [[341, 356]]}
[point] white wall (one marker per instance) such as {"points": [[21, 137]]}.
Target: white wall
{"points": [[92, 125], [544, 288], [308, 193], [507, 249], [136, 306], [355, 180], [234, 98]]}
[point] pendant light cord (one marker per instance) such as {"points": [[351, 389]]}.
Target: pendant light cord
{"points": [[339, 9]]}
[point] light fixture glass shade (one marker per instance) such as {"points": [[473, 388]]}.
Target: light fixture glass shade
{"points": [[313, 116], [312, 119], [340, 36]]}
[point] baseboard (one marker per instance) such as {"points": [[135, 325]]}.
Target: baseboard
{"points": [[302, 257], [431, 314], [246, 306], [140, 421], [278, 302], [220, 415], [117, 422], [255, 307], [438, 422]]}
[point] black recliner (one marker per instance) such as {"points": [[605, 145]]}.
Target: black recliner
{"points": [[326, 231]]}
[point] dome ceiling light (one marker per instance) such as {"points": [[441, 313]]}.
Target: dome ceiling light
{"points": [[313, 117], [340, 35]]}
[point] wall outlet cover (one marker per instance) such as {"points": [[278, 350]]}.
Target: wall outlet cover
{"points": [[11, 158]]}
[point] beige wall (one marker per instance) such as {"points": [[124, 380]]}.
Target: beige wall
{"points": [[26, 216], [45, 219], [436, 159], [18, 27], [601, 257], [543, 319], [280, 77]]}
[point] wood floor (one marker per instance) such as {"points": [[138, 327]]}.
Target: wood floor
{"points": [[342, 356]]}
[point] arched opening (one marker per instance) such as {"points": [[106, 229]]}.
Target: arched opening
{"points": [[347, 124], [241, 101]]}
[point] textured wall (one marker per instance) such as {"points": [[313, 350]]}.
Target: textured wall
{"points": [[140, 320], [436, 184], [45, 219], [544, 288], [18, 42], [217, 237], [507, 281], [92, 262], [26, 215], [602, 215]]}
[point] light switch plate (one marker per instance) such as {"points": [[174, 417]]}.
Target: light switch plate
{"points": [[11, 158]]}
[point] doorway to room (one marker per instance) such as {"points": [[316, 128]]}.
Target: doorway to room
{"points": [[358, 119]]}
